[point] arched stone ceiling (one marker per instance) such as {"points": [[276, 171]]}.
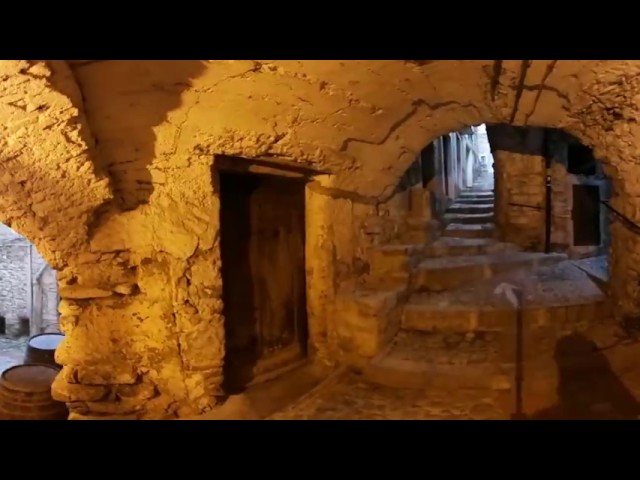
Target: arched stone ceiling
{"points": [[362, 121]]}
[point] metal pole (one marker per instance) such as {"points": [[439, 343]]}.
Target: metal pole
{"points": [[519, 370]]}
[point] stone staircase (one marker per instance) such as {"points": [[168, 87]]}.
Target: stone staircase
{"points": [[439, 316]]}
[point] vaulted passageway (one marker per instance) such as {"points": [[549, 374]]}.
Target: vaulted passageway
{"points": [[502, 296], [109, 168]]}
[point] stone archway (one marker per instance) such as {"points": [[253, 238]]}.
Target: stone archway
{"points": [[358, 124], [51, 185]]}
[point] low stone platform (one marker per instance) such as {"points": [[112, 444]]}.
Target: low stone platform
{"points": [[454, 247], [470, 230], [436, 274], [560, 293], [472, 218], [584, 375]]}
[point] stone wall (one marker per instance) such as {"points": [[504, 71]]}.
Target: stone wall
{"points": [[520, 174], [23, 293], [14, 281], [45, 301]]}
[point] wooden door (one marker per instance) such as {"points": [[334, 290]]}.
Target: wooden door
{"points": [[277, 262], [263, 274]]}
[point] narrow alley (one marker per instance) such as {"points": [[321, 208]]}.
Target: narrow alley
{"points": [[457, 355], [454, 357]]}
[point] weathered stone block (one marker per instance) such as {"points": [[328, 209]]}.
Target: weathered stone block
{"points": [[141, 391], [496, 319], [66, 307], [109, 374], [125, 288], [447, 277], [67, 392], [431, 320], [383, 260], [120, 407], [79, 416], [536, 317], [377, 302], [67, 323], [79, 292], [365, 328]]}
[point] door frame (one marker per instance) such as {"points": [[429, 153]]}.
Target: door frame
{"points": [[265, 369]]}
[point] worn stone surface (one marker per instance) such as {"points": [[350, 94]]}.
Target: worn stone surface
{"points": [[546, 291], [571, 375], [353, 398]]}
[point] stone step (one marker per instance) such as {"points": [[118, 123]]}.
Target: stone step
{"points": [[433, 360], [420, 231], [418, 317], [476, 194], [393, 260], [473, 208], [367, 319], [487, 360], [473, 200], [468, 218], [478, 230], [453, 246], [555, 296], [437, 274]]}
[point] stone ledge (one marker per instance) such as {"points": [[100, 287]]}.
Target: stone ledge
{"points": [[77, 292]]}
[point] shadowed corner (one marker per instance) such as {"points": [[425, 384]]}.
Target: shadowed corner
{"points": [[588, 388], [130, 91]]}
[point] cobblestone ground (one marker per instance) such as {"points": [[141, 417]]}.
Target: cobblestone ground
{"points": [[445, 348], [349, 397], [11, 352], [583, 378]]}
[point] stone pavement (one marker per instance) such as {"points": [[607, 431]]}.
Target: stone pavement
{"points": [[350, 397], [454, 355]]}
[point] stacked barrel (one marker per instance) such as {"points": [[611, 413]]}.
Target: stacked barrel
{"points": [[25, 390]]}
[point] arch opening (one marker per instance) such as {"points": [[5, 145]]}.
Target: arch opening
{"points": [[475, 247], [28, 296]]}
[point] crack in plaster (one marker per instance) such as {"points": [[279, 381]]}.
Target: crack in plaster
{"points": [[402, 120], [524, 69], [549, 70]]}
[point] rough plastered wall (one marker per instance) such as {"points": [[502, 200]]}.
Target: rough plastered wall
{"points": [[107, 170], [520, 174]]}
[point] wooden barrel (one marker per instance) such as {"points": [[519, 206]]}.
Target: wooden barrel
{"points": [[25, 394], [42, 348]]}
